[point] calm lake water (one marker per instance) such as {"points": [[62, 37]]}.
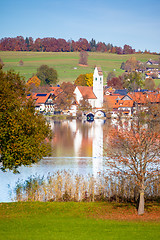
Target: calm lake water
{"points": [[76, 146]]}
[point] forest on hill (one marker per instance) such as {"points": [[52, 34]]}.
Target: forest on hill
{"points": [[51, 44]]}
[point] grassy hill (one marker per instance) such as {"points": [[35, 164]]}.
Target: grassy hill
{"points": [[66, 64]]}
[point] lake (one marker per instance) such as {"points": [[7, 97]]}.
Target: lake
{"points": [[77, 146]]}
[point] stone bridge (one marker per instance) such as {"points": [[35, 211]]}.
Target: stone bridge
{"points": [[95, 114]]}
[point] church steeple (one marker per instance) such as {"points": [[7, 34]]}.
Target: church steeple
{"points": [[98, 86]]}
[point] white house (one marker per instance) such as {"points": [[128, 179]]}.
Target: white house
{"points": [[93, 94], [81, 92]]}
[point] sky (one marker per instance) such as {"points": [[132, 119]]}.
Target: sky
{"points": [[120, 22]]}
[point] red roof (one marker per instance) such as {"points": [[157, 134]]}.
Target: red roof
{"points": [[148, 97], [116, 101], [41, 98], [56, 90], [87, 92]]}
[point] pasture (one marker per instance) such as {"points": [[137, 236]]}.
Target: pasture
{"points": [[66, 63]]}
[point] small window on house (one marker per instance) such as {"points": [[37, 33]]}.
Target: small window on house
{"points": [[96, 79]]}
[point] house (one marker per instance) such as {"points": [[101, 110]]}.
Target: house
{"points": [[43, 102], [119, 104], [94, 94], [84, 92], [143, 98], [148, 75], [55, 91], [152, 62], [121, 92]]}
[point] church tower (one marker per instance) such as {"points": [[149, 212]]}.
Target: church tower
{"points": [[98, 86]]}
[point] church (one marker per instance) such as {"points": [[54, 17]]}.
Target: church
{"points": [[93, 94]]}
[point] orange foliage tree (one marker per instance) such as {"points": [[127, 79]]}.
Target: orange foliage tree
{"points": [[80, 81], [34, 80], [135, 152], [66, 98]]}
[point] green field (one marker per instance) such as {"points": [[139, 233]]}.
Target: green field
{"points": [[72, 221], [66, 64]]}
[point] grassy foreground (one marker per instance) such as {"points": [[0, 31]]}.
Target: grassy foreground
{"points": [[74, 221], [66, 64]]}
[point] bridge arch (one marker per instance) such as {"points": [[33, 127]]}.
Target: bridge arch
{"points": [[90, 117], [99, 114]]}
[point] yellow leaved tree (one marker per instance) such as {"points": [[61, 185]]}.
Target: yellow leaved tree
{"points": [[89, 79], [34, 80]]}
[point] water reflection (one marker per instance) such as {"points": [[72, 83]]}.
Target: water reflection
{"points": [[76, 146]]}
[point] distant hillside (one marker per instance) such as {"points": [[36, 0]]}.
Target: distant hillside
{"points": [[66, 63]]}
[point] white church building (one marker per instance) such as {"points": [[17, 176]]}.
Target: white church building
{"points": [[93, 94]]}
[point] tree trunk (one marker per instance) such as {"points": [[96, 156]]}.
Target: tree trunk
{"points": [[141, 203]]}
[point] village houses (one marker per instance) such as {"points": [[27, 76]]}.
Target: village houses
{"points": [[100, 98]]}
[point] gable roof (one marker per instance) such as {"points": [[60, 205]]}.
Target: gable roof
{"points": [[126, 97], [41, 98], [150, 61], [56, 90], [87, 92], [116, 101]]}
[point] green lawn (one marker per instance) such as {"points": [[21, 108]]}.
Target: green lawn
{"points": [[69, 221], [66, 64]]}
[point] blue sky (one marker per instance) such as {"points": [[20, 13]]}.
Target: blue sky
{"points": [[132, 22]]}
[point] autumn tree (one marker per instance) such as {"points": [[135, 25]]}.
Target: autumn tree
{"points": [[83, 58], [115, 82], [34, 80], [89, 79], [21, 63], [141, 66], [135, 152], [131, 64], [84, 80], [1, 64], [101, 47], [84, 105], [128, 49], [149, 84], [110, 75], [47, 75], [23, 134], [66, 98], [119, 50], [149, 109], [132, 81], [80, 81]]}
